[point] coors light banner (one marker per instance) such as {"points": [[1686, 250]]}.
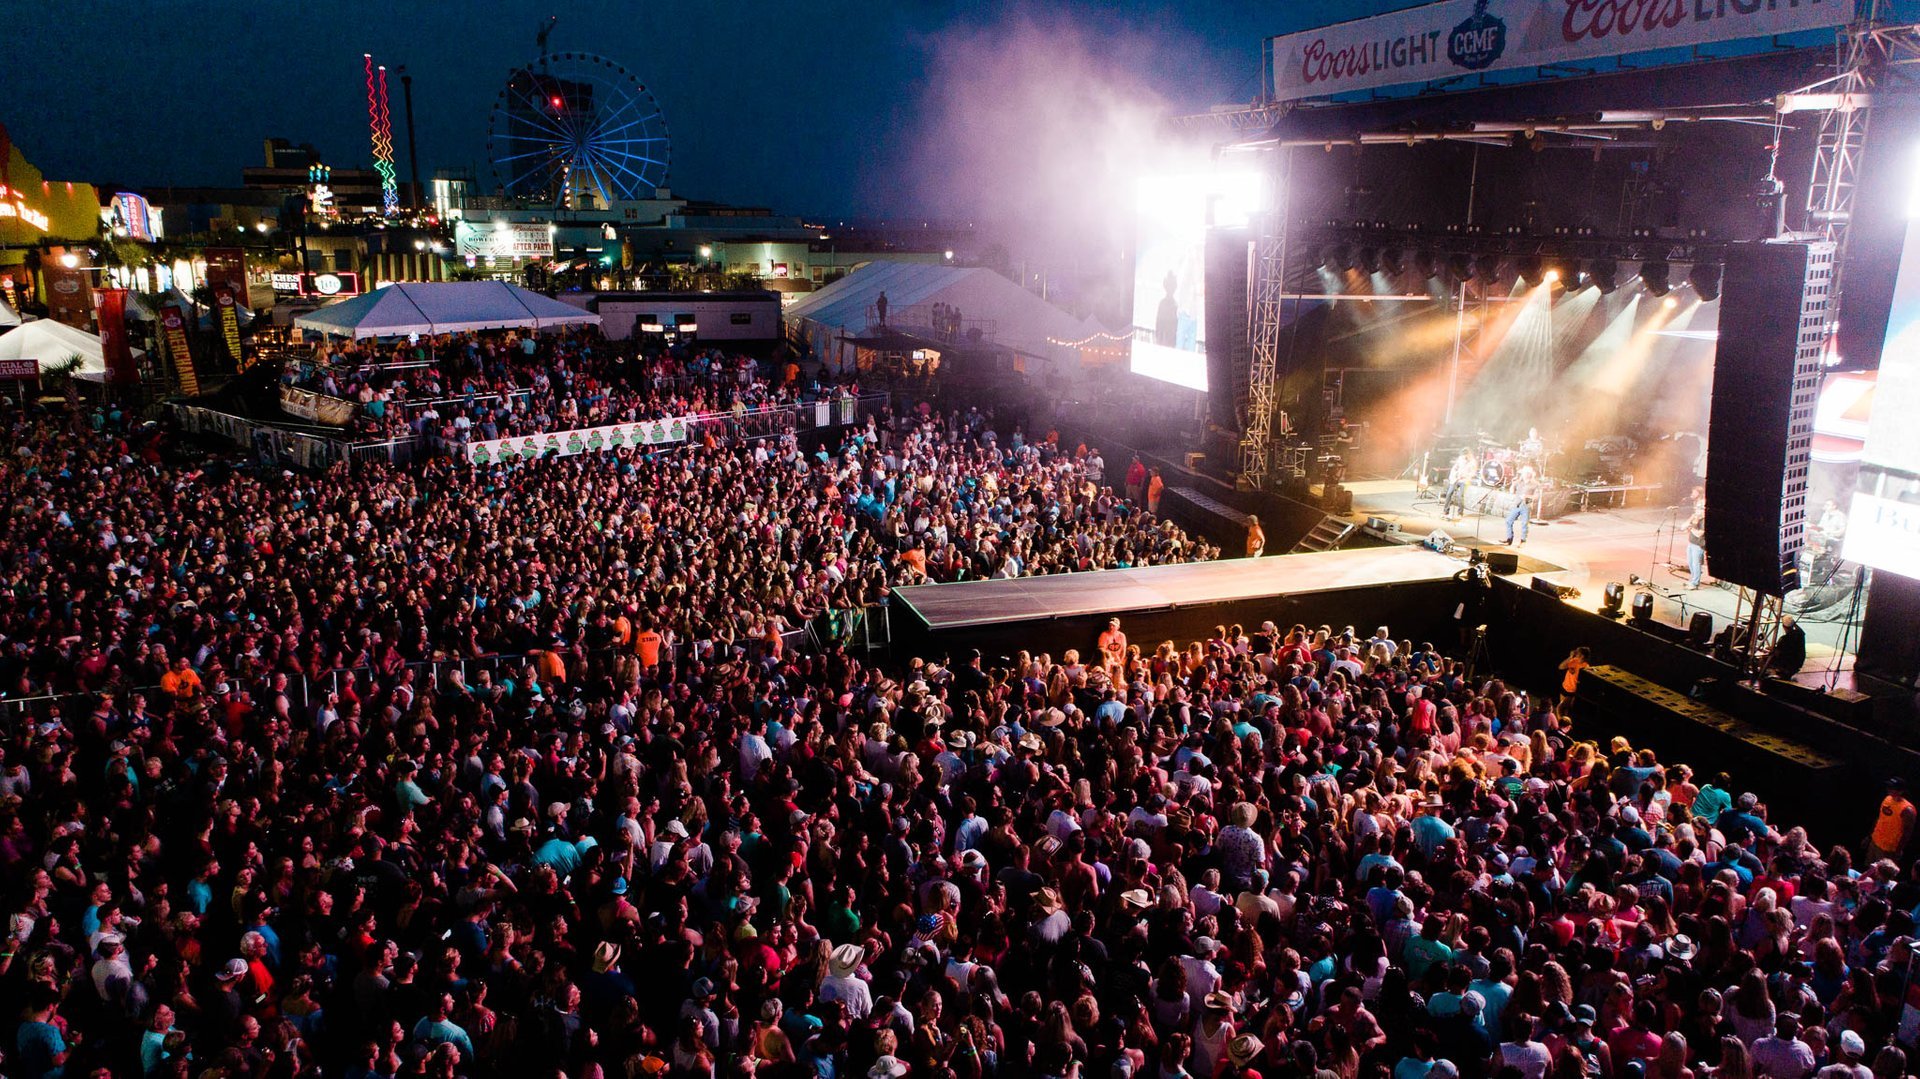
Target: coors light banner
{"points": [[1461, 37]]}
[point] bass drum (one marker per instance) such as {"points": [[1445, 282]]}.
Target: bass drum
{"points": [[1497, 472]]}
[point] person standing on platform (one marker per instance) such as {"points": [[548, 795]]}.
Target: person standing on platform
{"points": [[1155, 485], [1893, 828], [1454, 504], [1525, 485], [1696, 545], [1256, 537]]}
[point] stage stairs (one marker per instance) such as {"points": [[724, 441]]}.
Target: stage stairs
{"points": [[1328, 535]]}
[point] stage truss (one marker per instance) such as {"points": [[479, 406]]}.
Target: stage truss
{"points": [[1269, 293]]}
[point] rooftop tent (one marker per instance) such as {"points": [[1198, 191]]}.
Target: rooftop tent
{"points": [[52, 342], [1021, 321], [430, 307]]}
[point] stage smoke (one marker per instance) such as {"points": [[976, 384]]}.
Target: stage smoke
{"points": [[1042, 125]]}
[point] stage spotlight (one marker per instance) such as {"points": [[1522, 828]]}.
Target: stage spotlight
{"points": [[1367, 261], [1551, 275], [1653, 277], [1616, 595], [1642, 608], [1700, 630], [1705, 279], [1669, 302], [1528, 267], [1425, 265], [1605, 274], [1334, 257], [1392, 261], [1460, 267], [1487, 269]]}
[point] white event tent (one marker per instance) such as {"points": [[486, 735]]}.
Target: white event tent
{"points": [[433, 307], [52, 343]]}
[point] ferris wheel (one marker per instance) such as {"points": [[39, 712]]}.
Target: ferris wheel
{"points": [[574, 129]]}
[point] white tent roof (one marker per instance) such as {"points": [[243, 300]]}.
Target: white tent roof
{"points": [[8, 316], [52, 343], [429, 307], [1021, 321]]}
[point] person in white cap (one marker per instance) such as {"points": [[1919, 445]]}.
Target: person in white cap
{"points": [[1847, 1057]]}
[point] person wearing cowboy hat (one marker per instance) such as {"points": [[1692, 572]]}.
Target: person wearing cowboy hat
{"points": [[1052, 925], [843, 984], [1213, 1033], [1242, 1051]]}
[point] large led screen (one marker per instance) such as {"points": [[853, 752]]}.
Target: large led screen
{"points": [[1173, 214], [1883, 521]]}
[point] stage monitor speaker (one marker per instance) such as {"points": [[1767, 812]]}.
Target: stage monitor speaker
{"points": [[1503, 563], [1766, 379], [1643, 606], [1557, 591]]}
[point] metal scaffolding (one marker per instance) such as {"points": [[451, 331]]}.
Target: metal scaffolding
{"points": [[1269, 295]]}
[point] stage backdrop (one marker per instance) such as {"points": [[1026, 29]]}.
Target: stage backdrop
{"points": [[1462, 37]]}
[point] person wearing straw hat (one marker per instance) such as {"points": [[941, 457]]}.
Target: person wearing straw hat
{"points": [[1213, 1033], [842, 983], [1242, 1052]]}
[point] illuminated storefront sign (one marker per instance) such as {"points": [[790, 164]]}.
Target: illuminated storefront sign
{"points": [[14, 204]]}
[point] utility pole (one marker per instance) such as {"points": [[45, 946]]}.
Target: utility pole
{"points": [[413, 153]]}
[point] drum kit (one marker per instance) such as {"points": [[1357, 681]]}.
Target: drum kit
{"points": [[1501, 464]]}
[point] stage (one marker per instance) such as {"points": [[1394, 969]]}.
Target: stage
{"points": [[1406, 588], [1596, 546]]}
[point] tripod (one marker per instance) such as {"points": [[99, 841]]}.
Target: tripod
{"points": [[1477, 655]]}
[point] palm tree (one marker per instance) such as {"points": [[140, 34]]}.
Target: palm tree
{"points": [[60, 377]]}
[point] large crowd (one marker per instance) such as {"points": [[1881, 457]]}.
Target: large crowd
{"points": [[458, 388], [620, 826]]}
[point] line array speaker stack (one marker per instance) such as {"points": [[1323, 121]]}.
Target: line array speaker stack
{"points": [[1775, 308]]}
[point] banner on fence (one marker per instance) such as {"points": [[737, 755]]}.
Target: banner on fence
{"points": [[589, 440], [316, 407]]}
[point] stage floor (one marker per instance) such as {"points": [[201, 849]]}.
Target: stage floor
{"points": [[1151, 588], [1603, 544]]}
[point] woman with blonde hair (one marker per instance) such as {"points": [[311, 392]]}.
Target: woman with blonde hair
{"points": [[1671, 1063], [1735, 1061]]}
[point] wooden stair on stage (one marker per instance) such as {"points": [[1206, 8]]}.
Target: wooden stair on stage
{"points": [[1328, 535], [1704, 729]]}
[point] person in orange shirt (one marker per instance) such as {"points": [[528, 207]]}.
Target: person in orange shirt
{"points": [[1155, 485], [1893, 827], [646, 645], [181, 683], [551, 667], [915, 557], [1576, 661]]}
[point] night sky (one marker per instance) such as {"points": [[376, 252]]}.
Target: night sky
{"points": [[828, 107]]}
